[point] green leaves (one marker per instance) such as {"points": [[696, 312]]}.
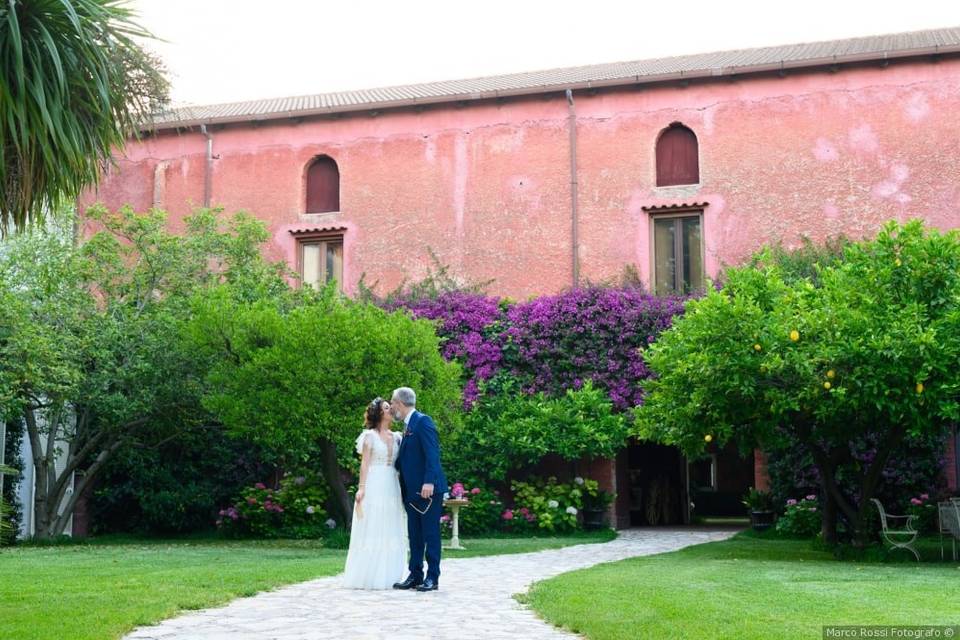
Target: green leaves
{"points": [[511, 429], [97, 332], [843, 342], [290, 373], [6, 528], [74, 84]]}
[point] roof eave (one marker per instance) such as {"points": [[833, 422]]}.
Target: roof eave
{"points": [[561, 87]]}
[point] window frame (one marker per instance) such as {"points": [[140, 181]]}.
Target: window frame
{"points": [[321, 237], [676, 214]]}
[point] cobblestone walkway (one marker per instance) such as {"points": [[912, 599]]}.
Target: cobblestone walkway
{"points": [[474, 601]]}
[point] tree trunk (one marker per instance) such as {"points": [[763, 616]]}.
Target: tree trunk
{"points": [[43, 512], [870, 483], [834, 500], [331, 473], [51, 487], [829, 518]]}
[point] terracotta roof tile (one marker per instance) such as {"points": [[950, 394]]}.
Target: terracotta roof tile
{"points": [[880, 47]]}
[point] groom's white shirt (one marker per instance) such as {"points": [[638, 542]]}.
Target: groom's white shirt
{"points": [[406, 421]]}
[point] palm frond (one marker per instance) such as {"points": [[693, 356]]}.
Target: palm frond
{"points": [[74, 85]]}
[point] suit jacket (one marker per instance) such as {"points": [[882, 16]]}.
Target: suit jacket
{"points": [[418, 460]]}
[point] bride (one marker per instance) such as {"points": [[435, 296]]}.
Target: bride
{"points": [[378, 537]]}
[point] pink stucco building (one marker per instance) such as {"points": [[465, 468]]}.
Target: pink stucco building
{"points": [[541, 180]]}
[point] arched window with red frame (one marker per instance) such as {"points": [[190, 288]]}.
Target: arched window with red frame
{"points": [[323, 186], [678, 156]]}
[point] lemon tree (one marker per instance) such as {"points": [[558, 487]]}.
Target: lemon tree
{"points": [[867, 347]]}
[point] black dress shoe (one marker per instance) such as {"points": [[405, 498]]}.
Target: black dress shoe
{"points": [[428, 585], [411, 582]]}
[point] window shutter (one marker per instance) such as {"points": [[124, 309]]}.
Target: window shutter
{"points": [[677, 157], [323, 186]]}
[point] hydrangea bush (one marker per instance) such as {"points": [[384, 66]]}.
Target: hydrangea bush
{"points": [[294, 510], [924, 512], [550, 505], [801, 518]]}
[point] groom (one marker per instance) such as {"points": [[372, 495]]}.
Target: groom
{"points": [[422, 485]]}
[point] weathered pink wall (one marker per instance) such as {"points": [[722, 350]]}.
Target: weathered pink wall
{"points": [[486, 186]]}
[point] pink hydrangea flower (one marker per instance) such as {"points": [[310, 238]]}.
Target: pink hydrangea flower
{"points": [[444, 518], [924, 496], [811, 497], [260, 485], [916, 501], [791, 502], [508, 515], [475, 490]]}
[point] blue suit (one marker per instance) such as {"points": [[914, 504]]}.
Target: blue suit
{"points": [[418, 462]]}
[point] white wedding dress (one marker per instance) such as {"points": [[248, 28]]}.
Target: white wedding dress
{"points": [[378, 537]]}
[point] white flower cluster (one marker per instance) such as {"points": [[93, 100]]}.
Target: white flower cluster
{"points": [[553, 504], [331, 523], [572, 511]]}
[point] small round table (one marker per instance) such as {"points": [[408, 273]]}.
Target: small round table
{"points": [[455, 504]]}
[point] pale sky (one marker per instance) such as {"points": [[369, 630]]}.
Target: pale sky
{"points": [[231, 50]]}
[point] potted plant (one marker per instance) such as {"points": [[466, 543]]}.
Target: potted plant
{"points": [[760, 505], [595, 504]]}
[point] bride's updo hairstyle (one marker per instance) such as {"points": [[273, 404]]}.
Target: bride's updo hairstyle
{"points": [[374, 413]]}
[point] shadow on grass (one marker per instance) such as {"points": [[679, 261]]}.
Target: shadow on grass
{"points": [[928, 546]]}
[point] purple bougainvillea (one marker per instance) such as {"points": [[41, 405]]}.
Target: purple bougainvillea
{"points": [[469, 326], [557, 342], [552, 343]]}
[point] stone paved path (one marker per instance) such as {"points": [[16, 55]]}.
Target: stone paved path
{"points": [[474, 602]]}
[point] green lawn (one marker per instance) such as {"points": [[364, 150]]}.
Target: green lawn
{"points": [[746, 587], [105, 588], [514, 544]]}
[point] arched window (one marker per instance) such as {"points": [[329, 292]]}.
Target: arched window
{"points": [[323, 186], [677, 156]]}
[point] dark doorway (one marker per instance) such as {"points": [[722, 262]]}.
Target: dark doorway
{"points": [[718, 481], [657, 485]]}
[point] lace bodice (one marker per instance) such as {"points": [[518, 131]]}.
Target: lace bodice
{"points": [[383, 453]]}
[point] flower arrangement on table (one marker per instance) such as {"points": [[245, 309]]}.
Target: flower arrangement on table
{"points": [[483, 516]]}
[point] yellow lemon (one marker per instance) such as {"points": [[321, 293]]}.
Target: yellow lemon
{"points": [[757, 347], [708, 437], [831, 374], [794, 335], [827, 385], [919, 387]]}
